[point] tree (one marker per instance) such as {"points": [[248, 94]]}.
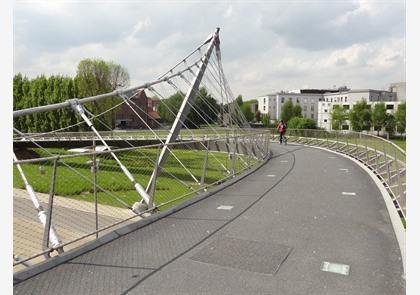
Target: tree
{"points": [[239, 100], [18, 99], [258, 116], [168, 108], [287, 111], [400, 118], [297, 111], [390, 125], [246, 110], [301, 123], [205, 110], [360, 116], [266, 120], [339, 116], [379, 116], [96, 76]]}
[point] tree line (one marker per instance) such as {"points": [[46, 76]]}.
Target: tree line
{"points": [[291, 114], [363, 117], [94, 76]]}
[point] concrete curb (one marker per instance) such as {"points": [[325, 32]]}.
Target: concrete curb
{"points": [[399, 230], [31, 271]]}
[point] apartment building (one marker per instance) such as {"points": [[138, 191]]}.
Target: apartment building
{"points": [[317, 104], [272, 104], [348, 98]]}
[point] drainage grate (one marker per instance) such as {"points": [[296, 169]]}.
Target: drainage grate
{"points": [[260, 257]]}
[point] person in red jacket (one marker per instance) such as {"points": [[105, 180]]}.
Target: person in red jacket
{"points": [[281, 127]]}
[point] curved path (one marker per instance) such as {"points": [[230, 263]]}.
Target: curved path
{"points": [[270, 233]]}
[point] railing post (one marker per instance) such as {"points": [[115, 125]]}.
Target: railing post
{"points": [[47, 228], [95, 192], [398, 175], [367, 153], [347, 142], [376, 160], [152, 181], [387, 164], [232, 164], [204, 168], [357, 147], [336, 140]]}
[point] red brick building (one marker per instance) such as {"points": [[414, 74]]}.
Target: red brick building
{"points": [[125, 118]]}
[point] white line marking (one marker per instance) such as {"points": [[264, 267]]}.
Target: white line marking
{"points": [[284, 161], [344, 169], [224, 207], [348, 193], [271, 175], [331, 157]]}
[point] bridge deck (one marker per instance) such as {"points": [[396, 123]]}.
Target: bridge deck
{"points": [[287, 219]]}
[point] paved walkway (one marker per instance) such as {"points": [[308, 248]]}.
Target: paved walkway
{"points": [[270, 233]]}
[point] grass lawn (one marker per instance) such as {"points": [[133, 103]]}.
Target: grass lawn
{"points": [[115, 188], [399, 142]]}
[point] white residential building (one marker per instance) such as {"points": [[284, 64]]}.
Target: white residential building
{"points": [[399, 89], [272, 104], [319, 106], [348, 98]]}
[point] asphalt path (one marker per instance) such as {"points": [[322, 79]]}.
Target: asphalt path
{"points": [[307, 222]]}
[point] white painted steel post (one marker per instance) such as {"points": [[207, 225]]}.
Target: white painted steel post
{"points": [[42, 216], [184, 108], [80, 110], [47, 228]]}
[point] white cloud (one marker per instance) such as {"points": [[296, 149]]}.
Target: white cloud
{"points": [[228, 12], [266, 47]]}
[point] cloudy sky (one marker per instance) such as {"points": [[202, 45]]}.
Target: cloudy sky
{"points": [[266, 46]]}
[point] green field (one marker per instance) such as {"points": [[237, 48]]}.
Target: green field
{"points": [[174, 182], [399, 142]]}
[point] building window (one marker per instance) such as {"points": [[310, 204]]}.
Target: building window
{"points": [[312, 116], [345, 127], [346, 106], [282, 100], [297, 100], [325, 120], [325, 111], [312, 108], [305, 108], [263, 108], [319, 99], [264, 100], [389, 106], [345, 99]]}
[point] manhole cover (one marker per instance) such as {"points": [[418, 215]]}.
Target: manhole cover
{"points": [[261, 257]]}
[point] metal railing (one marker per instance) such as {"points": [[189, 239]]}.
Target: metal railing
{"points": [[83, 196], [384, 158], [190, 134]]}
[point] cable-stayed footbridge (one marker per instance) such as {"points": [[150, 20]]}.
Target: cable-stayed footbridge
{"points": [[216, 207]]}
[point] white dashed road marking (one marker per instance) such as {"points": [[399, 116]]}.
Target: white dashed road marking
{"points": [[224, 207], [348, 193]]}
